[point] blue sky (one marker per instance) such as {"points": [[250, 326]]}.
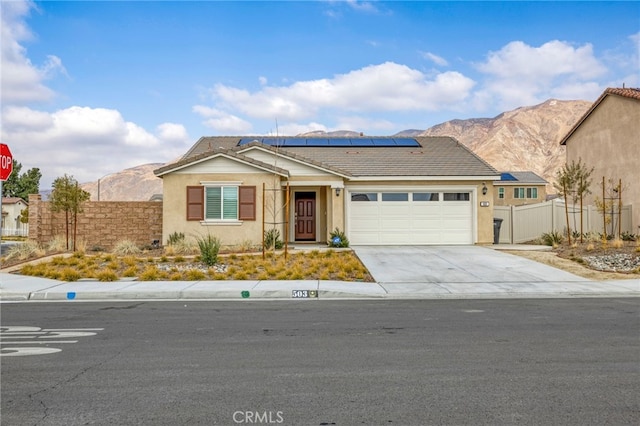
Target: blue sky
{"points": [[91, 88]]}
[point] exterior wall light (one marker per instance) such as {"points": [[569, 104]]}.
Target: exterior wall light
{"points": [[484, 189], [337, 192]]}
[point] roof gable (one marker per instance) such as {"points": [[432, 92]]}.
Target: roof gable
{"points": [[297, 165], [624, 92], [202, 164]]}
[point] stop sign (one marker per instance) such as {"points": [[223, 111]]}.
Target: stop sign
{"points": [[6, 162]]}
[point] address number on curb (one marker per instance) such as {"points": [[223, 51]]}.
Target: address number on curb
{"points": [[304, 294]]}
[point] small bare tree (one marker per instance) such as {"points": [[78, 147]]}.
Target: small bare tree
{"points": [[67, 196], [573, 180]]}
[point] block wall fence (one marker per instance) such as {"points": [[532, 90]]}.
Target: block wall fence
{"points": [[101, 224]]}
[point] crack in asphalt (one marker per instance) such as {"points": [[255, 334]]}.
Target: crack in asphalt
{"points": [[67, 381]]}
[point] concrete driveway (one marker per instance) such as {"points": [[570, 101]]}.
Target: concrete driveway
{"points": [[455, 264]]}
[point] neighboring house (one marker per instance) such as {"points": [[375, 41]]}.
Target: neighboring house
{"points": [[379, 190], [607, 138], [11, 209], [518, 188]]}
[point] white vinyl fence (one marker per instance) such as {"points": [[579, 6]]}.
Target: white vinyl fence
{"points": [[23, 231], [526, 223]]}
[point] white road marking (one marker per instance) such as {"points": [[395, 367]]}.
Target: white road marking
{"points": [[40, 342], [27, 335], [27, 351]]}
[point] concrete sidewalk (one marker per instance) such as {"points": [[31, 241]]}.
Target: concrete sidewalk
{"points": [[14, 288]]}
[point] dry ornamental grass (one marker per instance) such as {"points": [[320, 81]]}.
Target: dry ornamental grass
{"points": [[313, 265]]}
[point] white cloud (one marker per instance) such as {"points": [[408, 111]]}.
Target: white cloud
{"points": [[438, 60], [370, 124], [85, 142], [519, 74], [362, 6], [172, 132], [21, 81], [221, 121], [375, 88], [292, 129]]}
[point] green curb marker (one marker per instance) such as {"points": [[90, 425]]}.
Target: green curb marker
{"points": [[245, 294]]}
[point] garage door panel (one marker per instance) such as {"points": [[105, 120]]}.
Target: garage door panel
{"points": [[411, 222], [365, 238]]}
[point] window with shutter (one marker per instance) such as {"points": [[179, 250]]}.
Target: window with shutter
{"points": [[247, 203], [195, 202], [221, 203]]}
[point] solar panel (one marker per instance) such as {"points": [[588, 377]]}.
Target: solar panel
{"points": [[507, 177], [293, 142], [331, 142], [406, 142]]}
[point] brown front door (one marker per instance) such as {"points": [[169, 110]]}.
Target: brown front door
{"points": [[305, 216]]}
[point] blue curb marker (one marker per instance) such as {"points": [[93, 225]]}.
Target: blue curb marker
{"points": [[71, 295]]}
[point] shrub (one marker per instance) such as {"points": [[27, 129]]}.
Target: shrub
{"points": [[553, 238], [24, 251], [37, 270], [240, 275], [125, 247], [107, 275], [151, 273], [195, 275], [209, 247], [130, 260], [181, 247], [131, 271], [175, 238], [272, 239], [338, 239], [69, 274], [627, 236], [57, 243]]}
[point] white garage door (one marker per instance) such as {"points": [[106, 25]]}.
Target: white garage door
{"points": [[411, 217]]}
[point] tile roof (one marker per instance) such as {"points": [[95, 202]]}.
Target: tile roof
{"points": [[225, 152], [12, 200], [631, 93], [522, 177], [437, 156]]}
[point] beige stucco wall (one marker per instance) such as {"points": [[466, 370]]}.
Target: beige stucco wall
{"points": [[174, 208], [609, 141], [275, 210], [508, 199], [11, 213]]}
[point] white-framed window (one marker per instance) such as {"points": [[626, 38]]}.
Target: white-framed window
{"points": [[525, 192], [518, 192], [501, 192], [221, 203]]}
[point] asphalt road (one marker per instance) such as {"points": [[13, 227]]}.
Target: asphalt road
{"points": [[498, 362]]}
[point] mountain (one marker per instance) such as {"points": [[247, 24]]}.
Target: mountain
{"points": [[133, 184], [525, 139]]}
